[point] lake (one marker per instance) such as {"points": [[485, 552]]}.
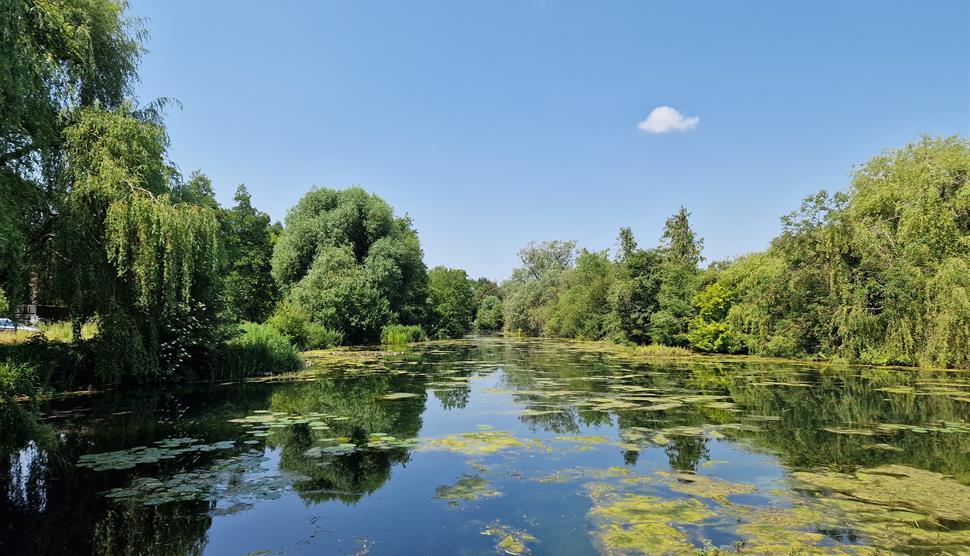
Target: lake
{"points": [[490, 445]]}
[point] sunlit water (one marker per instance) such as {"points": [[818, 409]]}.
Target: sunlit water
{"points": [[491, 446]]}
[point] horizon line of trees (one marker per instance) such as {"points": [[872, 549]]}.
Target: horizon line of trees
{"points": [[96, 218], [879, 273]]}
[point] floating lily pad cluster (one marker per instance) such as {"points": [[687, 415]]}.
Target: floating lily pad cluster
{"points": [[169, 448], [262, 422], [230, 481]]}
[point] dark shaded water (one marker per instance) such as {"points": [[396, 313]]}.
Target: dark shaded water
{"points": [[492, 445]]}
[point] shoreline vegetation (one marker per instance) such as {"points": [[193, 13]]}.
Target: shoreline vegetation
{"points": [[160, 283]]}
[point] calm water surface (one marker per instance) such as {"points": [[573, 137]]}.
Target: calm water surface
{"points": [[488, 446]]}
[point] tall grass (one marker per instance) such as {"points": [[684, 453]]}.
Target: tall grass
{"points": [[398, 334], [658, 350], [259, 348], [62, 331], [16, 379]]}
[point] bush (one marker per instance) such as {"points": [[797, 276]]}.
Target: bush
{"points": [[295, 323], [259, 348], [396, 334], [318, 336], [55, 364], [16, 379], [712, 336]]}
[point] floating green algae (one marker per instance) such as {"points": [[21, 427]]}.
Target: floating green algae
{"points": [[631, 522], [583, 439], [468, 488], [897, 486], [399, 396], [479, 442], [509, 540], [707, 487]]}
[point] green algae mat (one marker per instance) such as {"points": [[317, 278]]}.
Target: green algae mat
{"points": [[499, 446]]}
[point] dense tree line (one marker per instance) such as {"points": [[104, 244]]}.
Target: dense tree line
{"points": [[879, 273]]}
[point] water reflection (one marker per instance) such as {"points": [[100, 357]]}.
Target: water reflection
{"points": [[339, 438]]}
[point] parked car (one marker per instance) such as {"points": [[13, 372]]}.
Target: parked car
{"points": [[9, 324]]}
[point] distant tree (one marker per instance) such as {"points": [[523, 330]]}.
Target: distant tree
{"points": [[540, 260], [633, 297], [534, 286], [679, 243], [249, 290], [681, 252], [581, 308], [709, 330], [451, 302], [489, 316]]}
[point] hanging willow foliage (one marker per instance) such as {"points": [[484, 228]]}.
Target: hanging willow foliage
{"points": [[160, 246], [132, 253]]}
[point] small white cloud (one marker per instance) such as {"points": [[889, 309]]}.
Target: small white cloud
{"points": [[664, 119]]}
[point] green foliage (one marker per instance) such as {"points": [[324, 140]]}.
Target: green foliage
{"points": [[55, 58], [877, 274], [680, 244], [709, 331], [16, 379], [681, 252], [149, 282], [533, 286], [248, 289], [489, 316], [345, 260], [295, 323], [451, 302], [397, 334], [259, 348], [582, 309], [633, 297]]}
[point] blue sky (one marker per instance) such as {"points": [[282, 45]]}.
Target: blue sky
{"points": [[493, 123]]}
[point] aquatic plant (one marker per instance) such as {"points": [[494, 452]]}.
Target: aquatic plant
{"points": [[468, 488], [399, 334]]}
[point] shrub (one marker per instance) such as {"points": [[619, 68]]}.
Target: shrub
{"points": [[318, 336], [712, 336], [259, 348], [657, 350], [295, 323], [55, 364], [396, 334]]}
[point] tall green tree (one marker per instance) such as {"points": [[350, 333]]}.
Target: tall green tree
{"points": [[126, 250], [351, 264], [249, 291], [681, 252], [55, 58], [633, 297]]}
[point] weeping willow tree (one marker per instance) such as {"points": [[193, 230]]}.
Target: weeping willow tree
{"points": [[56, 56], [126, 249]]}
